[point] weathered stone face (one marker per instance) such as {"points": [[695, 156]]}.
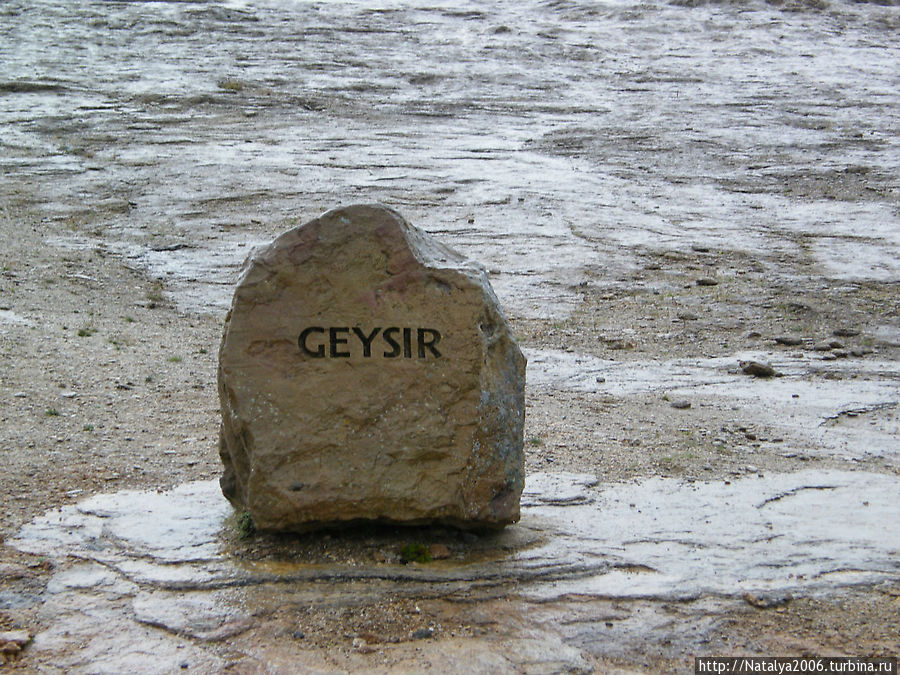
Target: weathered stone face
{"points": [[367, 373]]}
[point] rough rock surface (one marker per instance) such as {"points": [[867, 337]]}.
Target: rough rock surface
{"points": [[367, 373]]}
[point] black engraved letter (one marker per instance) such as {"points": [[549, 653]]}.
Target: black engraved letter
{"points": [[366, 340], [430, 344], [407, 342], [320, 350], [334, 341], [395, 347]]}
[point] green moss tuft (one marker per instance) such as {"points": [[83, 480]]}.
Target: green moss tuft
{"points": [[418, 553], [245, 525]]}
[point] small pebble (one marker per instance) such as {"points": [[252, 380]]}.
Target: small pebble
{"points": [[680, 404], [10, 648], [757, 369], [763, 602], [16, 637], [439, 552], [620, 344], [363, 647]]}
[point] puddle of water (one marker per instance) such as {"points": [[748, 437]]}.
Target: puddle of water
{"points": [[852, 418], [175, 526], [203, 615], [570, 371], [11, 318], [86, 633], [803, 405], [685, 533], [84, 575], [160, 560], [778, 533]]}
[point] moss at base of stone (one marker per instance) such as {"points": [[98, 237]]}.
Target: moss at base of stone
{"points": [[417, 553], [244, 524]]}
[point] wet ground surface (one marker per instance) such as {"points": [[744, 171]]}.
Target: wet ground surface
{"points": [[170, 561], [661, 192], [572, 135], [655, 538]]}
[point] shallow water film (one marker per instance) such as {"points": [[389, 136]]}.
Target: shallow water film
{"points": [[163, 560], [689, 211]]}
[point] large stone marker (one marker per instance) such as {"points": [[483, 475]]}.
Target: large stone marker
{"points": [[367, 373]]}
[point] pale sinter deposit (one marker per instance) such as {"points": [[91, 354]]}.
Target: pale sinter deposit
{"points": [[367, 373]]}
